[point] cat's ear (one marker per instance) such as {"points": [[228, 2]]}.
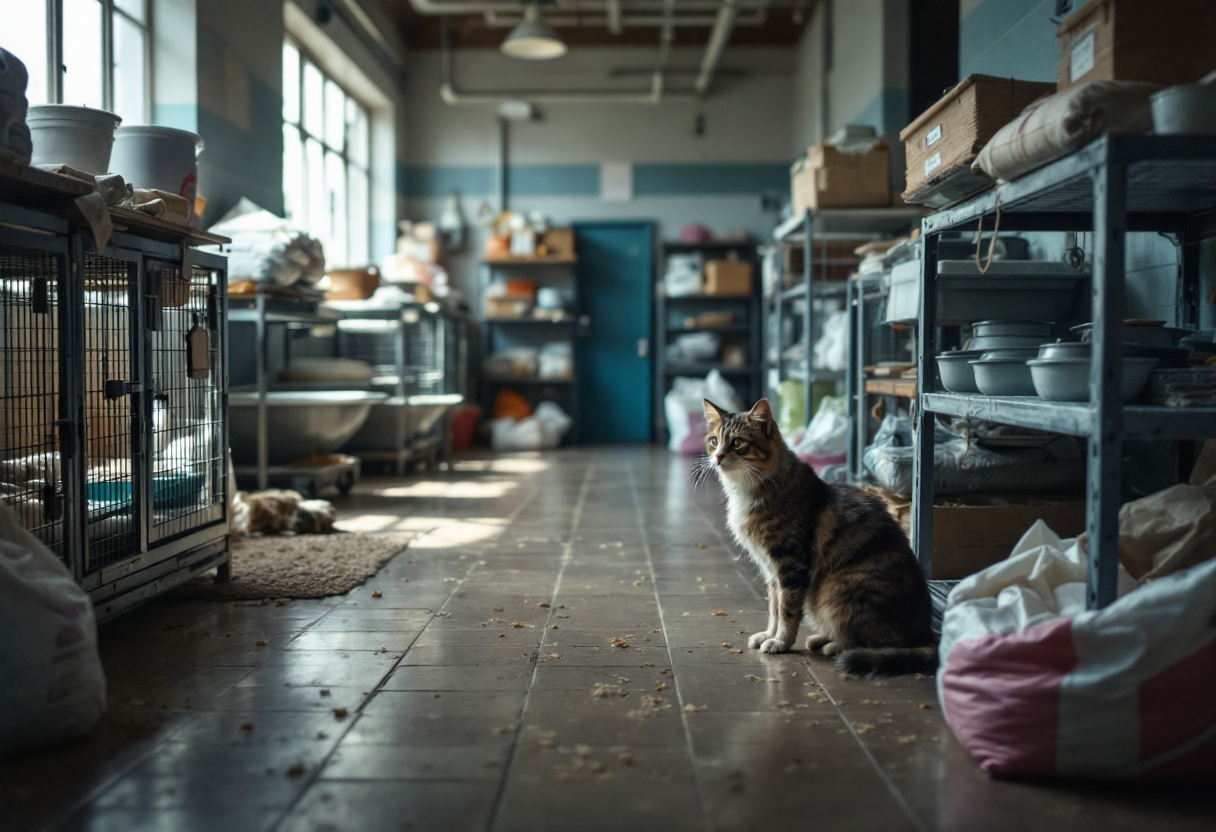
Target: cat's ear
{"points": [[714, 414], [761, 417]]}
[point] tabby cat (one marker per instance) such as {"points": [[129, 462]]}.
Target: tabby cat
{"points": [[280, 512], [830, 552]]}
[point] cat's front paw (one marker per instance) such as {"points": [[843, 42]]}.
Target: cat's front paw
{"points": [[758, 639], [772, 645]]}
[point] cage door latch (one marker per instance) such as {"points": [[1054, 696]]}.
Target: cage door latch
{"points": [[116, 388]]}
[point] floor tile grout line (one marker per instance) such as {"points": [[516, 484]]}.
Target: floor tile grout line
{"points": [[557, 585], [882, 774], [315, 775], [688, 745]]}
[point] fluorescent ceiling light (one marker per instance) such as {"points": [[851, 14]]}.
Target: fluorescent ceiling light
{"points": [[532, 39]]}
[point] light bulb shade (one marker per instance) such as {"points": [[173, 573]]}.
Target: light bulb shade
{"points": [[532, 39]]}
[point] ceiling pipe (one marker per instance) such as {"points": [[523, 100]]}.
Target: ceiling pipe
{"points": [[614, 17], [657, 94], [501, 21], [482, 7], [717, 43]]}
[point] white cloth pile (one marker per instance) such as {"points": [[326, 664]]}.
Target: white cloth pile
{"points": [[542, 430], [14, 133], [269, 249]]}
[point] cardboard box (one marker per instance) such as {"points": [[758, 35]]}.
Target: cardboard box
{"points": [[949, 135], [559, 242], [352, 284], [830, 178], [974, 531], [728, 277], [1164, 42]]}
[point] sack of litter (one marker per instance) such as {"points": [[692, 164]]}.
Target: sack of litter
{"points": [[685, 409], [51, 683], [1034, 685]]}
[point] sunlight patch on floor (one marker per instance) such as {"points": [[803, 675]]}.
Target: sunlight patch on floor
{"points": [[454, 490], [447, 533]]}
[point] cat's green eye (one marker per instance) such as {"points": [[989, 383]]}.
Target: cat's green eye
{"points": [[713, 441], [737, 443]]}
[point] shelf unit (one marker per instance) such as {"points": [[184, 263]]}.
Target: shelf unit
{"points": [[806, 230], [263, 310], [1116, 184], [747, 379], [558, 272], [420, 354]]}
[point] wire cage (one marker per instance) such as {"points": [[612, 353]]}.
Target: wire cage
{"points": [[31, 327], [113, 462], [188, 461]]}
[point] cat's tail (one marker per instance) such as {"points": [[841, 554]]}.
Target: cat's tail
{"points": [[876, 662]]}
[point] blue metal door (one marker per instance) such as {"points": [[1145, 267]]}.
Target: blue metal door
{"points": [[615, 286]]}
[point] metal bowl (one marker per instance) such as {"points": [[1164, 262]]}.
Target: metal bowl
{"points": [[1039, 329], [419, 412], [1067, 379], [1167, 356], [957, 374], [299, 422], [984, 343], [1189, 109], [1149, 333], [1003, 377]]}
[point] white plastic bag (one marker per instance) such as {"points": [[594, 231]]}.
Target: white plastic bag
{"points": [[832, 349], [542, 430], [827, 434], [1033, 685], [684, 408], [51, 683]]}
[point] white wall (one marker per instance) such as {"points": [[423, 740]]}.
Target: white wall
{"points": [[715, 179]]}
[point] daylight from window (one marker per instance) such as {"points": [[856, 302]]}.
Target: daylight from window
{"points": [[325, 160], [83, 75]]}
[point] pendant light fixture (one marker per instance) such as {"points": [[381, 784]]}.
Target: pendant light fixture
{"points": [[533, 39]]}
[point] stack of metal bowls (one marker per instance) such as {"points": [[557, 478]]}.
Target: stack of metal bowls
{"points": [[1061, 371]]}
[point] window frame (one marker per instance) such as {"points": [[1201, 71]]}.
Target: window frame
{"points": [[344, 153], [54, 52]]}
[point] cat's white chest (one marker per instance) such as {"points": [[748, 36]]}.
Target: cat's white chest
{"points": [[739, 509]]}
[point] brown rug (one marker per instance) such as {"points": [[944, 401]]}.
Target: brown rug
{"points": [[301, 566]]}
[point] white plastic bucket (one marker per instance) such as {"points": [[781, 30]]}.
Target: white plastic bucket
{"points": [[158, 157], [80, 137]]}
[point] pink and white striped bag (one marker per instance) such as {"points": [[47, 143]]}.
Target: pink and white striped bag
{"points": [[1033, 685]]}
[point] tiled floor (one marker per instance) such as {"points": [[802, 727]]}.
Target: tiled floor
{"points": [[482, 691]]}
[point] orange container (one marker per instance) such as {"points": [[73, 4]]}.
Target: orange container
{"points": [[521, 288]]}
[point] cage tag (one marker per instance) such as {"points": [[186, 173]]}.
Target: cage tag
{"points": [[40, 301], [198, 351]]}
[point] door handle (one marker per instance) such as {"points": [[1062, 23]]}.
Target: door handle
{"points": [[643, 347], [584, 325]]}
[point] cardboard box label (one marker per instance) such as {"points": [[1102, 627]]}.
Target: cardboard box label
{"points": [[1081, 56], [934, 135], [933, 163]]}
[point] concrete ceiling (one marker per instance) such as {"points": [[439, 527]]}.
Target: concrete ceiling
{"points": [[783, 27]]}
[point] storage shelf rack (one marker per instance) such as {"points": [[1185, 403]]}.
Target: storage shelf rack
{"points": [[557, 272], [1114, 185], [263, 310], [806, 229], [98, 394], [746, 379], [421, 353]]}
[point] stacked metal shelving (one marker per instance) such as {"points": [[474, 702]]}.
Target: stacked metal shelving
{"points": [[1113, 186]]}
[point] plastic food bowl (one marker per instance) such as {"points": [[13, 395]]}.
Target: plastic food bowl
{"points": [[1003, 377], [80, 137], [169, 491], [1067, 379], [957, 374]]}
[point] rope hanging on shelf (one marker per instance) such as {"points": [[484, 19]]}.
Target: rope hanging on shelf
{"points": [[979, 238]]}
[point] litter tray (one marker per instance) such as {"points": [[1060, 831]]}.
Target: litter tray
{"points": [[169, 491], [1010, 290]]}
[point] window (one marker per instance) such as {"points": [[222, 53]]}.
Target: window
{"points": [[326, 156], [97, 57]]}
